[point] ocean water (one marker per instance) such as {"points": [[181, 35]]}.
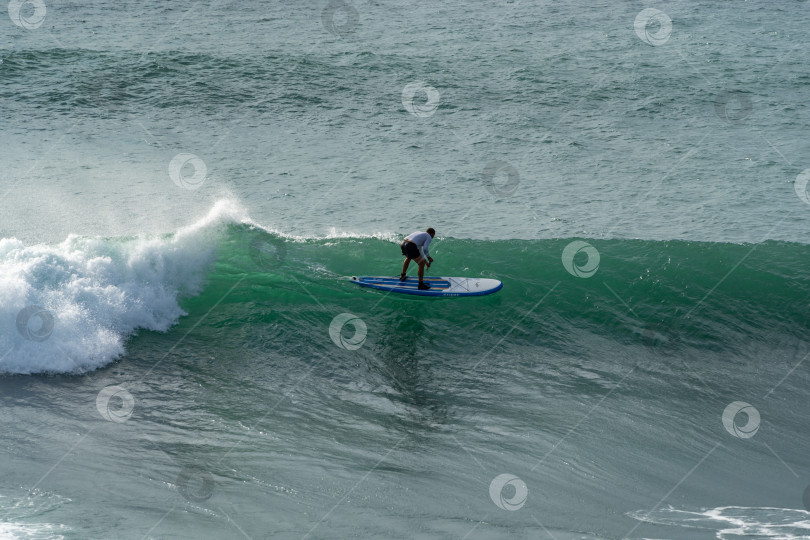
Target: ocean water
{"points": [[186, 188]]}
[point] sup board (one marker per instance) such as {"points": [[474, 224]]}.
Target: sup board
{"points": [[439, 286]]}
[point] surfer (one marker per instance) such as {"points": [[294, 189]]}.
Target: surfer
{"points": [[415, 246]]}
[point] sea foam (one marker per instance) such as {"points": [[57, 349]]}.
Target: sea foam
{"points": [[70, 307]]}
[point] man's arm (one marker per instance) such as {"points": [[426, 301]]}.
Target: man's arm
{"points": [[425, 251]]}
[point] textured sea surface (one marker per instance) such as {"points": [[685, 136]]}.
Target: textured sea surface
{"points": [[186, 188]]}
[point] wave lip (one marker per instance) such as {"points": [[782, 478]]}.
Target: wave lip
{"points": [[70, 307]]}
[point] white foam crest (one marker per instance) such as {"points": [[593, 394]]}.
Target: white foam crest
{"points": [[332, 234], [92, 293], [730, 522], [387, 236], [18, 512], [27, 531]]}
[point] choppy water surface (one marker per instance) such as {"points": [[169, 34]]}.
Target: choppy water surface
{"points": [[186, 187]]}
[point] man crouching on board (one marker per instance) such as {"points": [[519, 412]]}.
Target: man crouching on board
{"points": [[415, 246]]}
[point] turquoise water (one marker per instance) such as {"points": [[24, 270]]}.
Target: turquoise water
{"points": [[187, 188]]}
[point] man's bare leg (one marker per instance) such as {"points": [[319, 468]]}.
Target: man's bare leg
{"points": [[421, 270], [419, 261]]}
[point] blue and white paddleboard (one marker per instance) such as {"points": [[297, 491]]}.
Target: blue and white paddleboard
{"points": [[439, 286]]}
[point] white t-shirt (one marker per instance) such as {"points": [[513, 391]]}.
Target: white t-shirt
{"points": [[422, 241]]}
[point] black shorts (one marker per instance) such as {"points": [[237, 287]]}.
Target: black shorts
{"points": [[410, 250]]}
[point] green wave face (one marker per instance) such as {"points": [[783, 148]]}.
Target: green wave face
{"points": [[664, 295]]}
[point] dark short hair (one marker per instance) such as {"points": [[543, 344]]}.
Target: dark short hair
{"points": [[431, 231]]}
